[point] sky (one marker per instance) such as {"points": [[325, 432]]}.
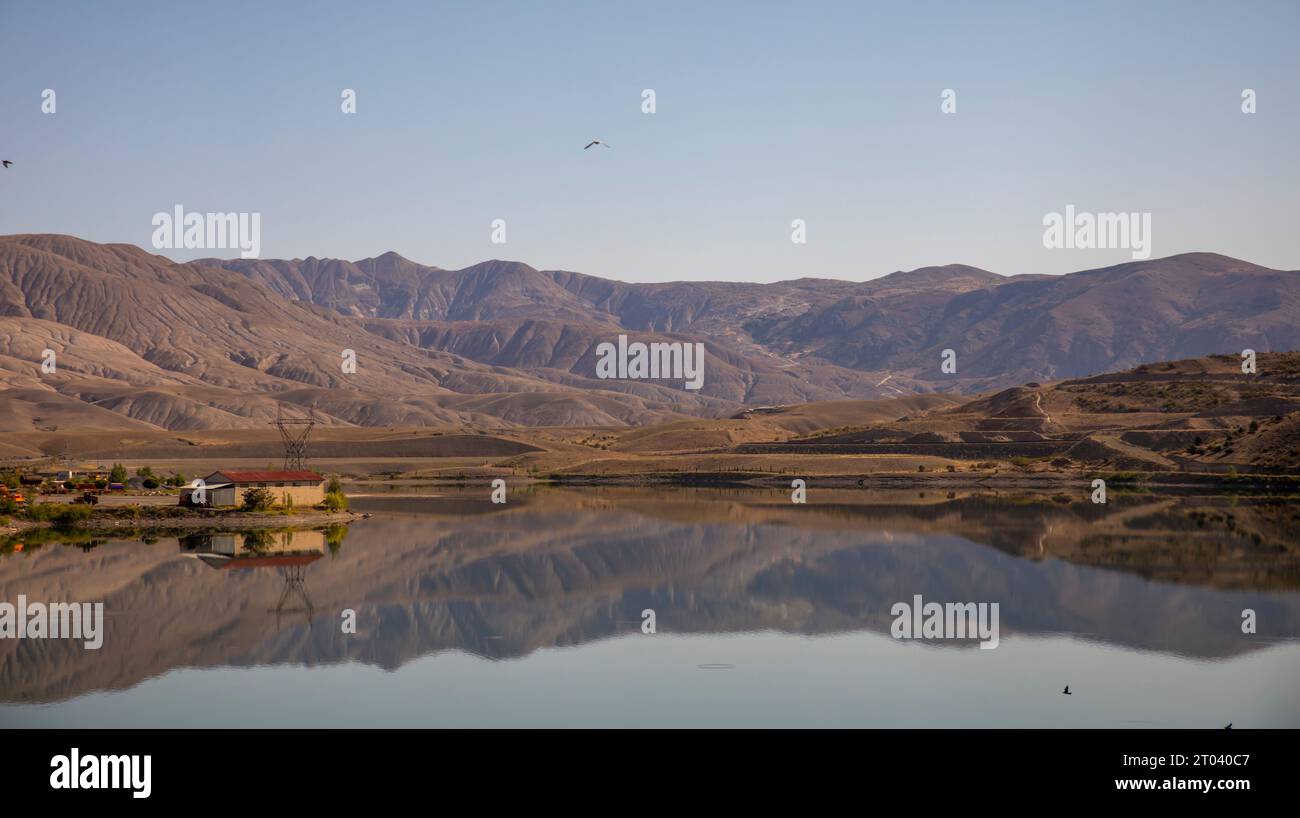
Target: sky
{"points": [[828, 112]]}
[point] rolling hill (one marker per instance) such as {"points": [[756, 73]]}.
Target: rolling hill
{"points": [[147, 343]]}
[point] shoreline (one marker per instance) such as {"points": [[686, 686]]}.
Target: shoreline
{"points": [[214, 521]]}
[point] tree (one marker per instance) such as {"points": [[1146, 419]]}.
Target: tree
{"points": [[335, 499], [144, 471], [257, 499], [118, 474]]}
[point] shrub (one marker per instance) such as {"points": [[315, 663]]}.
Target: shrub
{"points": [[58, 513], [335, 501], [118, 474], [257, 499]]}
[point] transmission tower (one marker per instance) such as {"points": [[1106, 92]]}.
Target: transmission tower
{"points": [[294, 433], [294, 585]]}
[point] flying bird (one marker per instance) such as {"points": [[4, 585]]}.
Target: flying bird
{"points": [[1228, 726], [1066, 691], [6, 162], [596, 142]]}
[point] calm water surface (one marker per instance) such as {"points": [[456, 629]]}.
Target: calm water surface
{"points": [[767, 613]]}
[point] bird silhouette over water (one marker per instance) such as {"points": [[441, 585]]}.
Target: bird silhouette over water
{"points": [[597, 142], [1066, 691]]}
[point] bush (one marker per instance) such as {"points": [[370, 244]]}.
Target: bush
{"points": [[334, 536], [335, 501], [118, 474], [150, 483], [58, 513], [258, 499]]}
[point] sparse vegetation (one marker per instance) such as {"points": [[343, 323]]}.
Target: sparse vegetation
{"points": [[256, 499], [60, 514], [335, 499]]}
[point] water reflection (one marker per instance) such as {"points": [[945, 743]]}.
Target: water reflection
{"points": [[450, 571], [288, 552]]}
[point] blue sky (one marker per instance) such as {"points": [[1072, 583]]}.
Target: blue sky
{"points": [[767, 112]]}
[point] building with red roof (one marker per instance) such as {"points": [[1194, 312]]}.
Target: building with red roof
{"points": [[225, 488]]}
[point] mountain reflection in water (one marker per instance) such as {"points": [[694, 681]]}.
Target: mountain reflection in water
{"points": [[448, 571]]}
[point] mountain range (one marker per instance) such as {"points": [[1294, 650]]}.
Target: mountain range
{"points": [[142, 342]]}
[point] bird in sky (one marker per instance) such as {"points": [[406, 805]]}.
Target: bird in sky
{"points": [[1066, 691], [596, 142], [7, 163], [1228, 726]]}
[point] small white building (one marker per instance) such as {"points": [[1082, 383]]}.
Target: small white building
{"points": [[214, 494]]}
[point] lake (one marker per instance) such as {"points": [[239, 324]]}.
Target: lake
{"points": [[765, 613]]}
